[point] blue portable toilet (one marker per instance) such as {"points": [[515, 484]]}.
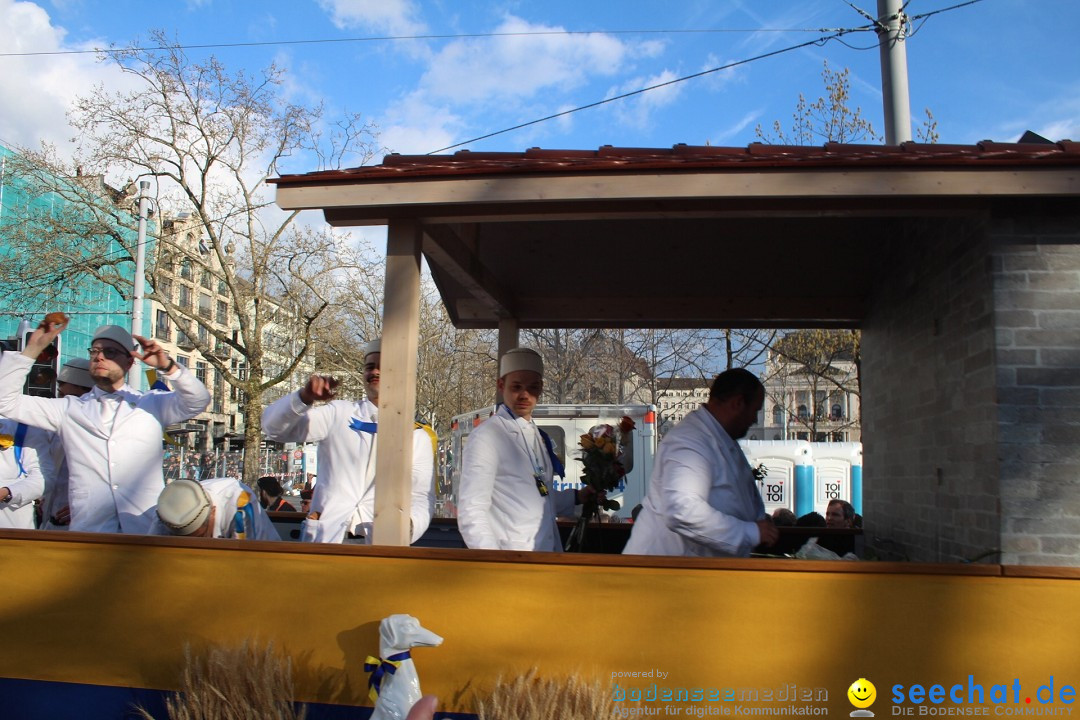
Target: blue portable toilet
{"points": [[788, 473], [837, 474]]}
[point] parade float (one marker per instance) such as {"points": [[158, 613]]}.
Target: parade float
{"points": [[697, 237]]}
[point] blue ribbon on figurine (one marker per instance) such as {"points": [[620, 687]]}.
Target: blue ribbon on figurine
{"points": [[361, 426], [378, 667]]}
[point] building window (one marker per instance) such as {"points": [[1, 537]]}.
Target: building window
{"points": [[222, 288], [804, 414], [185, 268], [185, 297], [219, 393], [837, 412], [162, 330], [166, 264], [204, 306], [204, 336], [200, 371], [207, 280], [778, 415], [222, 312], [182, 359], [164, 289]]}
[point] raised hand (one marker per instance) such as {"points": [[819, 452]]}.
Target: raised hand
{"points": [[319, 387], [152, 354], [43, 336]]}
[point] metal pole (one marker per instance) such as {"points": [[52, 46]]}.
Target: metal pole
{"points": [[140, 281], [894, 75]]}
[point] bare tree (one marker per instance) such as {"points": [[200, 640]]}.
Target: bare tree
{"points": [[211, 138], [811, 373], [571, 374], [827, 119]]}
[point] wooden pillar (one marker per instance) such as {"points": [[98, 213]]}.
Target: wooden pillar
{"points": [[509, 337], [397, 394]]}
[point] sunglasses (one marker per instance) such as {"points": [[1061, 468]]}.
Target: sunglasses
{"points": [[109, 353]]}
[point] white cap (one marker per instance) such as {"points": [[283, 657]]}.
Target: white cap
{"points": [[117, 334], [77, 372], [521, 359], [375, 346], [183, 506]]}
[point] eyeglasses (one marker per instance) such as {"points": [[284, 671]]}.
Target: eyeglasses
{"points": [[109, 353]]}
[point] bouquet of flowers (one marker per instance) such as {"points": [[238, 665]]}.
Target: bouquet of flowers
{"points": [[601, 454]]}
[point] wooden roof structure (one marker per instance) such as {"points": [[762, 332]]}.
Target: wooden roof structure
{"points": [[762, 236], [685, 237]]}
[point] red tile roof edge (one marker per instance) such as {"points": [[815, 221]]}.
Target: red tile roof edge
{"points": [[681, 157]]}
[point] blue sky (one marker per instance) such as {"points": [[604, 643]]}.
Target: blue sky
{"points": [[989, 70]]}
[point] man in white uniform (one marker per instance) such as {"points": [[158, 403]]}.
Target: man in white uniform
{"points": [[112, 436], [20, 476], [73, 380], [505, 497], [217, 507], [343, 500], [702, 498]]}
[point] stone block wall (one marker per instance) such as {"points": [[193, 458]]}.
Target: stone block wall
{"points": [[1036, 273], [929, 397]]}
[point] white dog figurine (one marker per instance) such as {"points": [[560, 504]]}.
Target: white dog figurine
{"points": [[394, 685]]}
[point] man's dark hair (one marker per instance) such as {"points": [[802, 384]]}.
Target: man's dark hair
{"points": [[736, 381], [270, 486], [810, 519], [845, 507]]}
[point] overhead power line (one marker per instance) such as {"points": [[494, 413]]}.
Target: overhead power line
{"points": [[835, 34], [817, 41], [386, 38]]}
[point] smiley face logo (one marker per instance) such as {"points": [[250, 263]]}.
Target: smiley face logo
{"points": [[862, 693]]}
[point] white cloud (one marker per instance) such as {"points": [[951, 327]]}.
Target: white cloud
{"points": [[40, 89], [719, 80], [723, 135], [1057, 118], [494, 70], [394, 17], [474, 86], [415, 126], [637, 111]]}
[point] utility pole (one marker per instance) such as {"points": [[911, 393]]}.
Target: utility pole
{"points": [[140, 280], [891, 30]]}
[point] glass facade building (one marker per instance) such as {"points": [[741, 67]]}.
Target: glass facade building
{"points": [[89, 303]]}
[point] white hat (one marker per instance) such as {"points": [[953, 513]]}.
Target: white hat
{"points": [[375, 346], [117, 334], [183, 506], [521, 359], [77, 372]]}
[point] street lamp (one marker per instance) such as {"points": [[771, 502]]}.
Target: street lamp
{"points": [[140, 278]]}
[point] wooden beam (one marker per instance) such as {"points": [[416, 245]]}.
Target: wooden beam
{"points": [[509, 337], [543, 189], [397, 394], [446, 250], [674, 312]]}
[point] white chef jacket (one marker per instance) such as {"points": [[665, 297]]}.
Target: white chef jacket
{"points": [[25, 485], [702, 499], [114, 474], [499, 505], [344, 496], [225, 494], [50, 453]]}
